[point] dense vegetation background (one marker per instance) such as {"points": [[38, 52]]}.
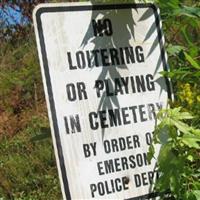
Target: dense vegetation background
{"points": [[27, 163]]}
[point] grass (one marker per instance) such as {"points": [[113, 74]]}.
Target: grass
{"points": [[27, 167]]}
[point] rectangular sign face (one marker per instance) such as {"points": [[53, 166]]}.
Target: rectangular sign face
{"points": [[100, 67]]}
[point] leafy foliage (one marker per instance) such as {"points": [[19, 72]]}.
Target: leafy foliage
{"points": [[27, 169], [27, 165], [178, 130], [178, 160]]}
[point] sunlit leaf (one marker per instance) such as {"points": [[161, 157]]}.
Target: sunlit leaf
{"points": [[188, 11], [174, 49], [190, 158], [191, 140], [191, 61], [196, 194]]}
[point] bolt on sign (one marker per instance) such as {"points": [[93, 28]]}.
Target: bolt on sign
{"points": [[100, 66]]}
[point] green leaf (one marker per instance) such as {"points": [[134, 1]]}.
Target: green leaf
{"points": [[190, 158], [174, 49], [166, 156], [44, 134], [196, 194], [191, 61], [174, 183], [190, 140], [195, 131], [196, 183], [188, 11], [185, 115], [177, 73], [150, 153]]}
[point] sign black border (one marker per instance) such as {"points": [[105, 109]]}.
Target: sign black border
{"points": [[72, 8]]}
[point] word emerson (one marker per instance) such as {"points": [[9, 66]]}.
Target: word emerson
{"points": [[123, 116], [105, 57], [122, 163]]}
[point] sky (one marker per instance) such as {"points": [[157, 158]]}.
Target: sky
{"points": [[10, 16]]}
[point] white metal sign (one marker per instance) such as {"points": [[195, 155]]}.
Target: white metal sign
{"points": [[100, 67]]}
